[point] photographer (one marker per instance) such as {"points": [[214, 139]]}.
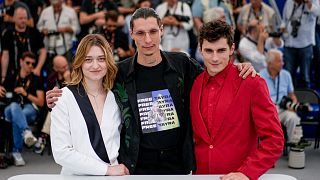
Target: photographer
{"points": [[92, 15], [177, 20], [298, 26], [25, 95], [59, 24], [280, 85], [254, 46]]}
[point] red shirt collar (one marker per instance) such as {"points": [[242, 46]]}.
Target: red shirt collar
{"points": [[219, 78]]}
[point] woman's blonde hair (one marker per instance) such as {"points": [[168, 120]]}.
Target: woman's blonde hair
{"points": [[83, 48]]}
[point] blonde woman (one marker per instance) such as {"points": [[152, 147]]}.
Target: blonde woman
{"points": [[85, 130]]}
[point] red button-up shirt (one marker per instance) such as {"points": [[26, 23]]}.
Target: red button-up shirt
{"points": [[210, 95]]}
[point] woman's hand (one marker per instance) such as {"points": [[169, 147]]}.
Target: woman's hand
{"points": [[117, 170]]}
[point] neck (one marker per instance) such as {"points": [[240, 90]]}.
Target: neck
{"points": [[171, 5], [60, 76], [23, 74], [273, 73], [257, 8], [252, 37], [18, 29], [93, 87], [149, 61]]}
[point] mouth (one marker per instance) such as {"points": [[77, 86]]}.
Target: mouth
{"points": [[148, 47]]}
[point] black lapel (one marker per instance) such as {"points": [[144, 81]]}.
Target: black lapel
{"points": [[91, 121]]}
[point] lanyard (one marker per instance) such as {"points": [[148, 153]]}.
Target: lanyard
{"points": [[24, 41], [57, 20], [278, 88]]}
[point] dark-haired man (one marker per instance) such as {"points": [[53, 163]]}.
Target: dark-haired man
{"points": [[235, 124], [27, 96]]}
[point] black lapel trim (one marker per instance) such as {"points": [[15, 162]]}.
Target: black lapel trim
{"points": [[95, 135]]}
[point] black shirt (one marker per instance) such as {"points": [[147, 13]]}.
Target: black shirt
{"points": [[118, 39], [89, 7], [150, 79], [30, 83], [19, 42]]}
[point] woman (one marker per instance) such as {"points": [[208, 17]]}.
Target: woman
{"points": [[85, 129]]}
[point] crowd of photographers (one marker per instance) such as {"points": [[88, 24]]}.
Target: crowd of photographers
{"points": [[39, 38]]}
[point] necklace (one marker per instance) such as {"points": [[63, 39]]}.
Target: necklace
{"points": [[95, 98]]}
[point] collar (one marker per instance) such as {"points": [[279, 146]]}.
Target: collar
{"points": [[269, 75], [219, 78], [164, 56]]}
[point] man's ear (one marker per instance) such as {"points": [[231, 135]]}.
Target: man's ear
{"points": [[233, 47], [161, 30], [131, 34], [21, 61]]}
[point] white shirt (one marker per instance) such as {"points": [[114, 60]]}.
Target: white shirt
{"points": [[68, 18], [70, 140], [306, 31], [249, 51], [174, 37]]}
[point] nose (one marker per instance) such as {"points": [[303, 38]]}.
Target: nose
{"points": [[147, 38], [215, 57], [95, 63]]}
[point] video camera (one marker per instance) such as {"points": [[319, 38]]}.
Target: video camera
{"points": [[287, 103]]}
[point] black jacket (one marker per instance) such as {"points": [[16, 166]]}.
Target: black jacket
{"points": [[180, 72]]}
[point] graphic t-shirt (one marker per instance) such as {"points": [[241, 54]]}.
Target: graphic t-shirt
{"points": [[157, 111], [159, 123]]}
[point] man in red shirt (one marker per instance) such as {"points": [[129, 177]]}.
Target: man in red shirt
{"points": [[229, 114]]}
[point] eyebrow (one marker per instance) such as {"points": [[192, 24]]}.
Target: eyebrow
{"points": [[97, 56]]}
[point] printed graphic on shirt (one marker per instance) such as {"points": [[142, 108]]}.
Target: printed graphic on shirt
{"points": [[157, 111]]}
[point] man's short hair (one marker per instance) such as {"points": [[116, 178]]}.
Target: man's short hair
{"points": [[271, 56], [112, 15], [214, 30], [145, 13], [252, 26], [28, 54]]}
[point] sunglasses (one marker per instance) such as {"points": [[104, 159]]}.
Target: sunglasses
{"points": [[28, 63]]}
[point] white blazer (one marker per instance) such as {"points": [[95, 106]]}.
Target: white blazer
{"points": [[70, 140]]}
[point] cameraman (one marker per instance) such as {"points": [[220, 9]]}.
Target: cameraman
{"points": [[254, 46], [298, 26], [177, 20], [59, 24], [280, 84], [27, 96]]}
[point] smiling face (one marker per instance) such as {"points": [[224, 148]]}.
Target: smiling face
{"points": [[216, 55], [94, 67], [147, 35]]}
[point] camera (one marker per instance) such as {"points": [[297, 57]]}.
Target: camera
{"points": [[295, 27], [53, 33], [287, 103], [275, 34], [181, 18], [4, 10]]}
